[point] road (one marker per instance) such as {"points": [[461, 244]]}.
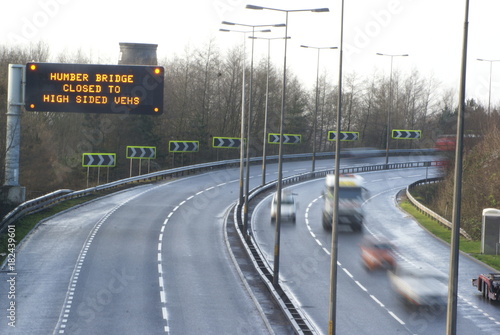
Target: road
{"points": [[366, 302], [148, 260], [153, 260]]}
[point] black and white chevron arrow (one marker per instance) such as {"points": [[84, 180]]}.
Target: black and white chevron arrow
{"points": [[226, 142], [141, 152], [183, 146], [406, 134], [344, 136], [287, 138], [98, 160]]}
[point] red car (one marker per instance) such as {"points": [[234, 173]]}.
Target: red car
{"points": [[445, 143], [377, 253]]}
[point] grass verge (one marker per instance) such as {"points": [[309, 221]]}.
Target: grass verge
{"points": [[472, 248]]}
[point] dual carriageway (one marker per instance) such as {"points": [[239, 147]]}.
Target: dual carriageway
{"points": [[156, 259]]}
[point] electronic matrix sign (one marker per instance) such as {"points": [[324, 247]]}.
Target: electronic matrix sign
{"points": [[91, 88]]}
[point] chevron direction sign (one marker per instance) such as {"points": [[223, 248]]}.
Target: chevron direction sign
{"points": [[226, 142], [401, 134], [98, 160], [344, 135], [137, 152], [287, 138], [183, 146]]}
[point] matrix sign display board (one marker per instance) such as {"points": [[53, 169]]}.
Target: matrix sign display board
{"points": [[90, 88]]}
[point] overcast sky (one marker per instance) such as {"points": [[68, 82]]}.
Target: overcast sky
{"points": [[430, 31]]}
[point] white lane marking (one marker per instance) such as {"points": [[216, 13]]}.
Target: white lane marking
{"points": [[161, 283], [313, 235], [361, 286], [66, 311], [396, 318], [347, 272], [376, 300], [471, 304]]}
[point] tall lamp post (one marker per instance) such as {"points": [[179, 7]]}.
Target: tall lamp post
{"points": [[332, 302], [242, 131], [317, 102], [280, 155], [249, 117], [389, 110], [451, 310], [264, 140], [489, 91]]}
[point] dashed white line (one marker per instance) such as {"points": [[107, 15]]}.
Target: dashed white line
{"points": [[161, 282], [376, 300], [66, 311], [343, 268], [348, 273], [396, 318], [360, 285]]}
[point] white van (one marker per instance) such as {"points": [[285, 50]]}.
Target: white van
{"points": [[288, 206]]}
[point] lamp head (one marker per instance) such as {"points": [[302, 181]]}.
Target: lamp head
{"points": [[254, 7]]}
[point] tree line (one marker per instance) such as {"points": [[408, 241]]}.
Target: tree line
{"points": [[203, 99]]}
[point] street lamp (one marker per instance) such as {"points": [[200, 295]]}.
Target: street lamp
{"points": [[242, 139], [317, 101], [249, 121], [280, 155], [332, 302], [489, 91], [264, 140], [389, 110], [451, 310]]}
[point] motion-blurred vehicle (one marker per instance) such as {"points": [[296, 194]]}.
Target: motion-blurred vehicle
{"points": [[419, 284], [449, 142], [288, 206], [445, 143], [362, 152], [377, 253], [489, 285], [351, 197]]}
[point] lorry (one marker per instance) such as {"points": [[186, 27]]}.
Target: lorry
{"points": [[351, 197], [489, 285]]}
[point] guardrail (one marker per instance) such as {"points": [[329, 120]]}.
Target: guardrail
{"points": [[297, 319], [300, 323], [426, 210], [46, 201], [51, 199]]}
